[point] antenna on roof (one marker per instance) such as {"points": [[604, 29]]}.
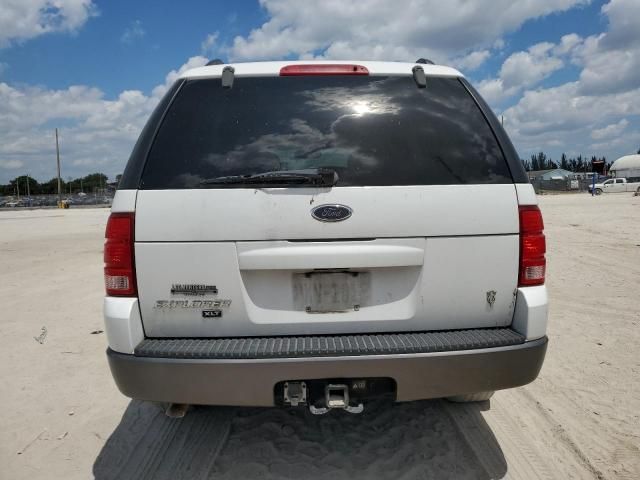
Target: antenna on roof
{"points": [[425, 61], [215, 61]]}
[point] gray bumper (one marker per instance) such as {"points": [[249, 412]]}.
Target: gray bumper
{"points": [[250, 382]]}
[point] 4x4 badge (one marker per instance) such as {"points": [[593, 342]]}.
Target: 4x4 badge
{"points": [[331, 212]]}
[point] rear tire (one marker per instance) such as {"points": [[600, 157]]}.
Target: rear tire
{"points": [[471, 397]]}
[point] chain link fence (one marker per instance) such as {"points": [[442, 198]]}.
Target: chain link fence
{"points": [[96, 199]]}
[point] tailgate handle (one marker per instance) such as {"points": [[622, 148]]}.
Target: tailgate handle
{"points": [[330, 256]]}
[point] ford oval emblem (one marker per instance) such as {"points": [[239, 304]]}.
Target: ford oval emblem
{"points": [[331, 213]]}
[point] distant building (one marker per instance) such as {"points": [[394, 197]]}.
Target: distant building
{"points": [[626, 167], [552, 174]]}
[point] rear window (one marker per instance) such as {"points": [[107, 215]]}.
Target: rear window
{"points": [[370, 130]]}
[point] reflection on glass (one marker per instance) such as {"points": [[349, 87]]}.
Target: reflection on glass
{"points": [[371, 130], [361, 108]]}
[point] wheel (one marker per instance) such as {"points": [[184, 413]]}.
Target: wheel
{"points": [[471, 397], [598, 191]]}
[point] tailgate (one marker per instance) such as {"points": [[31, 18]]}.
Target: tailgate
{"points": [[411, 258]]}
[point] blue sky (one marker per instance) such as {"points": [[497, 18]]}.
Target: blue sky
{"points": [[163, 35], [565, 73]]}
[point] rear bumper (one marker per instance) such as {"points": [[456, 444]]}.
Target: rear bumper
{"points": [[250, 382]]}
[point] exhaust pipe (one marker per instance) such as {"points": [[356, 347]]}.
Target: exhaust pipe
{"points": [[176, 410]]}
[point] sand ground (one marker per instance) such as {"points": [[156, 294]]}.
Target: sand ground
{"points": [[64, 418]]}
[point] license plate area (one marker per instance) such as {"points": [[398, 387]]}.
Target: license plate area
{"points": [[331, 291]]}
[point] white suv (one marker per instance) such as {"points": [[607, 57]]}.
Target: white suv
{"points": [[322, 233]]}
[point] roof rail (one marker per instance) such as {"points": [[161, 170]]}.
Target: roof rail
{"points": [[425, 61], [215, 61]]}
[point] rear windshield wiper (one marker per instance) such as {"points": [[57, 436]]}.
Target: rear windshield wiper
{"points": [[306, 177]]}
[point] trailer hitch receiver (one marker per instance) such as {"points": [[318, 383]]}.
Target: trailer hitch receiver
{"points": [[336, 396]]}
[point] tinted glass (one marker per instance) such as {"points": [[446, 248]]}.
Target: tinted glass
{"points": [[371, 130]]}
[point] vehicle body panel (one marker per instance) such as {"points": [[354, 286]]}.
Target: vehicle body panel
{"points": [[250, 382], [419, 244], [285, 214]]}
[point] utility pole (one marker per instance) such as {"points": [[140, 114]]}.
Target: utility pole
{"points": [[18, 186], [28, 188], [58, 160]]}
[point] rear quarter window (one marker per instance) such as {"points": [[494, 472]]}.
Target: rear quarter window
{"points": [[374, 131]]}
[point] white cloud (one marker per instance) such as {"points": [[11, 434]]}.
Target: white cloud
{"points": [[621, 143], [492, 90], [133, 32], [471, 61], [563, 109], [208, 45], [602, 105], [611, 60], [567, 44], [379, 29], [98, 131], [521, 70], [524, 69], [96, 134], [499, 44], [11, 164], [173, 75], [562, 117], [613, 130], [25, 19]]}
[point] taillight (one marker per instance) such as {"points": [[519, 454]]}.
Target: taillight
{"points": [[119, 271], [532, 247], [323, 69]]}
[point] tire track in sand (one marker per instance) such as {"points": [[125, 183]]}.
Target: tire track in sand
{"points": [[529, 443]]}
